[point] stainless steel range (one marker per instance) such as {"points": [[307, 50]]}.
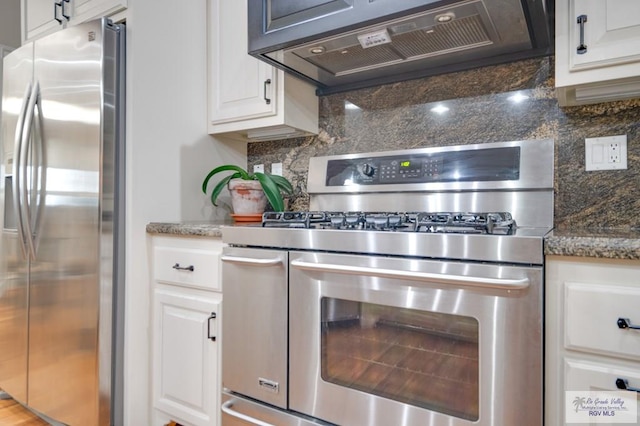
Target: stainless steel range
{"points": [[410, 294]]}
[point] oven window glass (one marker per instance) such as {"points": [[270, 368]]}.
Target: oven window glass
{"points": [[422, 358]]}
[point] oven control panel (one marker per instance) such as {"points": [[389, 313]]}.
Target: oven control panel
{"points": [[493, 164], [402, 170]]}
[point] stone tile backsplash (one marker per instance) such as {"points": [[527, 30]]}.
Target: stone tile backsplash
{"points": [[508, 102]]}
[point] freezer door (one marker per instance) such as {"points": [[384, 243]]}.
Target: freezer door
{"points": [[17, 73], [65, 288]]}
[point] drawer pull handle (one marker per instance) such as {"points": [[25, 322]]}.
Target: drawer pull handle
{"points": [[57, 5], [624, 385], [626, 323], [227, 408], [252, 261], [266, 100], [177, 267], [211, 317], [582, 48], [62, 10]]}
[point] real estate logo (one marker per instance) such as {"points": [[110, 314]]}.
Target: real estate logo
{"points": [[601, 407]]}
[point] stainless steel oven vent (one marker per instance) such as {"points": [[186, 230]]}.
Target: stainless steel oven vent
{"points": [[459, 34], [464, 33]]}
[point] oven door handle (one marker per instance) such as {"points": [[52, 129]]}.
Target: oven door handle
{"points": [[500, 283], [226, 408], [252, 261]]}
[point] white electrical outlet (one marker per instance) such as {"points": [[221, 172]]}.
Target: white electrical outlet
{"points": [[258, 168], [276, 169], [606, 153]]}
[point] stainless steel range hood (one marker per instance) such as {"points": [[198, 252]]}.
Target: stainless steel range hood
{"points": [[348, 44]]}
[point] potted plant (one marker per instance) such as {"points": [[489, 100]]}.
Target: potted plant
{"points": [[249, 188]]}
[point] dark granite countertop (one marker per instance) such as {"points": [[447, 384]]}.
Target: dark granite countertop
{"points": [[197, 229], [598, 243], [603, 243]]}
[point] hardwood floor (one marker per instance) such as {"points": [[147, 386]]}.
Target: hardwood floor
{"points": [[14, 414]]}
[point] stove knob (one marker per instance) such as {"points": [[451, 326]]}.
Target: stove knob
{"points": [[368, 170]]}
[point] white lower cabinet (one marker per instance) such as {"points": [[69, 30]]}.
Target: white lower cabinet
{"points": [[186, 331], [586, 349]]}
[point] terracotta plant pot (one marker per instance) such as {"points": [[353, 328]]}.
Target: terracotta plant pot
{"points": [[247, 197]]}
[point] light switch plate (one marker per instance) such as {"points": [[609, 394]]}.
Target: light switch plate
{"points": [[258, 168], [606, 153]]}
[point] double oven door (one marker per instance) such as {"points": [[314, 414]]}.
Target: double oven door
{"points": [[375, 341]]}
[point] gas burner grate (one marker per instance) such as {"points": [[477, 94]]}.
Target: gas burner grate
{"points": [[344, 220], [440, 222], [375, 221], [388, 221], [292, 219], [480, 223]]}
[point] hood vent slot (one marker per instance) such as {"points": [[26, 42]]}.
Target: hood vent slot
{"points": [[464, 33], [460, 34]]}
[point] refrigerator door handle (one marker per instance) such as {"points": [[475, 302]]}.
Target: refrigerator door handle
{"points": [[40, 171], [17, 169], [29, 151]]}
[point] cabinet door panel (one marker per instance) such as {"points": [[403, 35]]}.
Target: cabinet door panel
{"points": [[598, 332], [286, 13], [611, 33], [588, 376], [84, 10], [243, 87], [38, 18], [185, 360]]}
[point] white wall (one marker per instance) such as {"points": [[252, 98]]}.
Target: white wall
{"points": [[169, 153], [10, 23]]}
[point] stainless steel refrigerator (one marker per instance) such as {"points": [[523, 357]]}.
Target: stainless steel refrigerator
{"points": [[62, 234]]}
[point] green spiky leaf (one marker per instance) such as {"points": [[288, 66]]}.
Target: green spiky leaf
{"points": [[271, 191], [220, 186], [282, 183], [240, 172]]}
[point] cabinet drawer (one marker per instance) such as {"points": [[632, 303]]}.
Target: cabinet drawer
{"points": [[591, 315], [588, 376], [192, 267]]}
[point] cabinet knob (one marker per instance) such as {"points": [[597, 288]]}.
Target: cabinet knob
{"points": [[626, 323], [623, 384]]}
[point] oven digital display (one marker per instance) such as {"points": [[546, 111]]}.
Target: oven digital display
{"points": [[474, 165]]}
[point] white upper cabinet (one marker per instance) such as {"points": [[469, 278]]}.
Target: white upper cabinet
{"points": [[41, 17], [597, 50], [85, 10], [248, 98]]}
